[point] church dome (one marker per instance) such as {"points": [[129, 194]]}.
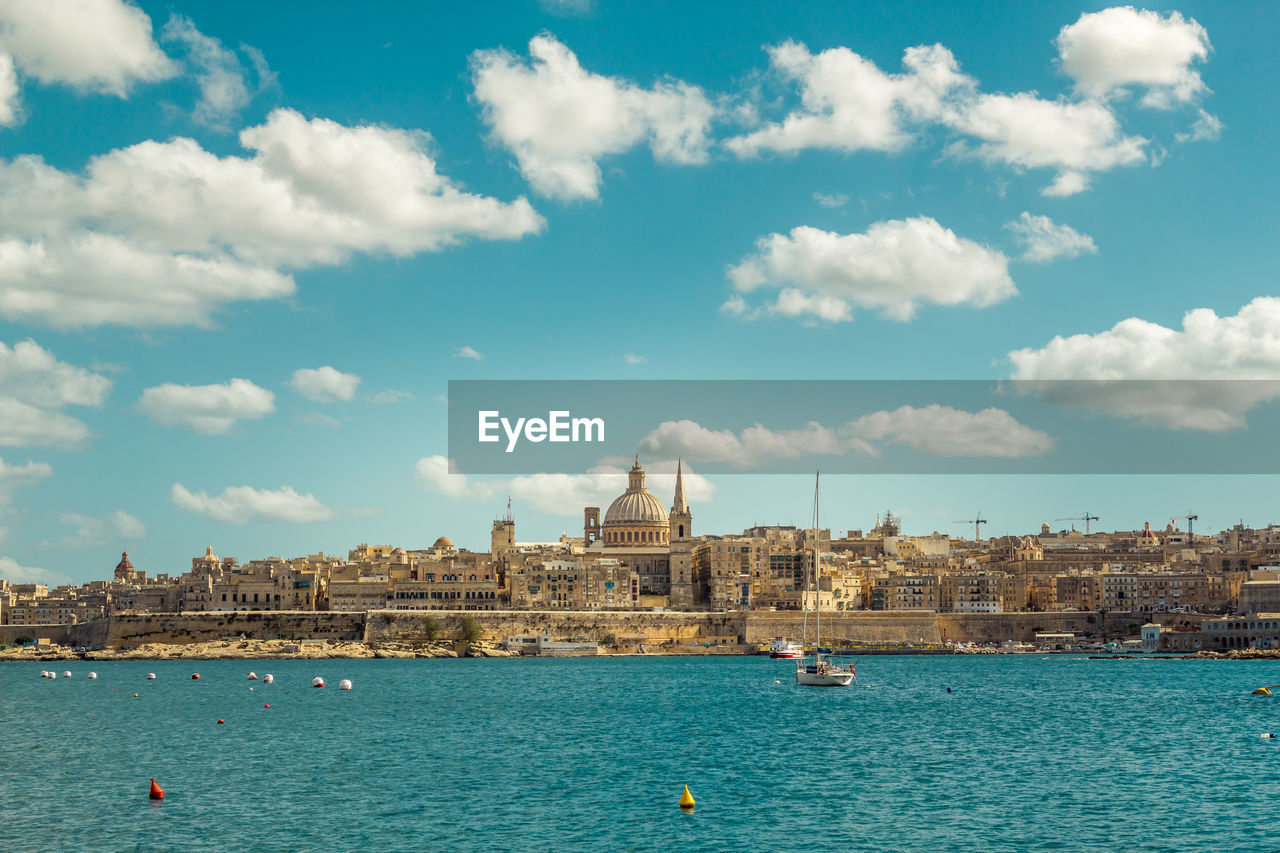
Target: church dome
{"points": [[443, 542], [636, 505], [636, 508]]}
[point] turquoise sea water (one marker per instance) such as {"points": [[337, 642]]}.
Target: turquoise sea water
{"points": [[1026, 753]]}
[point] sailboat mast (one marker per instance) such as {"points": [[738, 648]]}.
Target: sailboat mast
{"points": [[817, 578]]}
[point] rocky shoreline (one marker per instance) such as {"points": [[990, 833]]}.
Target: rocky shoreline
{"points": [[262, 650]]}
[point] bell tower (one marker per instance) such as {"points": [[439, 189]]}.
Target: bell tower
{"points": [[683, 593], [680, 516]]}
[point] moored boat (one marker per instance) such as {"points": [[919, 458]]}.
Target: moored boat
{"points": [[783, 649]]}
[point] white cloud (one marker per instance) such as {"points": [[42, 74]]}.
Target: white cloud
{"points": [[324, 384], [831, 200], [20, 476], [1121, 47], [433, 472], [756, 445], [849, 104], [93, 530], [559, 120], [82, 278], [1044, 240], [895, 267], [633, 358], [1026, 131], [243, 504], [560, 494], [163, 233], [10, 96], [949, 432], [33, 374], [11, 571], [93, 45], [386, 398], [34, 387], [206, 409], [468, 352], [1243, 347], [221, 77], [1206, 128]]}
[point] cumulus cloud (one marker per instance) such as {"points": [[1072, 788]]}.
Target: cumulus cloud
{"points": [[755, 446], [559, 120], [1044, 240], [13, 572], [93, 530], [1238, 356], [1122, 47], [948, 432], [559, 494], [166, 233], [634, 358], [831, 200], [324, 384], [206, 409], [220, 75], [895, 266], [435, 473], [34, 387], [849, 104], [468, 352], [10, 96], [19, 476], [93, 45], [1029, 132], [243, 504]]}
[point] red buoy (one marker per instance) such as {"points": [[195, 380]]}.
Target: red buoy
{"points": [[195, 676], [266, 706], [157, 793], [219, 721]]}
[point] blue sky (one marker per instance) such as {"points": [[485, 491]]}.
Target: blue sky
{"points": [[304, 226]]}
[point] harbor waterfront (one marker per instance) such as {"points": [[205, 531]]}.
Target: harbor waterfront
{"points": [[592, 754]]}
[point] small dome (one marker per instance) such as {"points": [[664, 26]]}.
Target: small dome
{"points": [[209, 556], [397, 551], [443, 543]]}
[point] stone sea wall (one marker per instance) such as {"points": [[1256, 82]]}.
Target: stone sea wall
{"points": [[623, 627]]}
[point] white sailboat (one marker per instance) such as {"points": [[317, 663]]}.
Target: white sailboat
{"points": [[822, 670]]}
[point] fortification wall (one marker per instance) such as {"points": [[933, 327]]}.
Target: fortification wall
{"points": [[131, 630], [598, 625], [910, 626]]}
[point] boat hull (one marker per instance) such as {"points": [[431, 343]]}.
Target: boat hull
{"points": [[786, 655], [824, 679]]}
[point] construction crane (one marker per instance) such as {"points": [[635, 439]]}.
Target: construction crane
{"points": [[1086, 518], [976, 522], [1190, 517]]}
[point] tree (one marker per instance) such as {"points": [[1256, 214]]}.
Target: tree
{"points": [[431, 627], [471, 630]]}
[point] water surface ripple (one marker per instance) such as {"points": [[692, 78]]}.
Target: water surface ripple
{"points": [[1037, 753]]}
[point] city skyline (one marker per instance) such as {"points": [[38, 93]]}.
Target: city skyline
{"points": [[232, 294]]}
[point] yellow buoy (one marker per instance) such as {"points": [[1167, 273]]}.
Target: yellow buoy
{"points": [[1262, 691], [686, 799]]}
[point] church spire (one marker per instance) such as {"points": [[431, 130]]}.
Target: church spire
{"points": [[679, 505]]}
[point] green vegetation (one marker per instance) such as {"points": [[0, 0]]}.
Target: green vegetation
{"points": [[470, 628], [431, 627]]}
